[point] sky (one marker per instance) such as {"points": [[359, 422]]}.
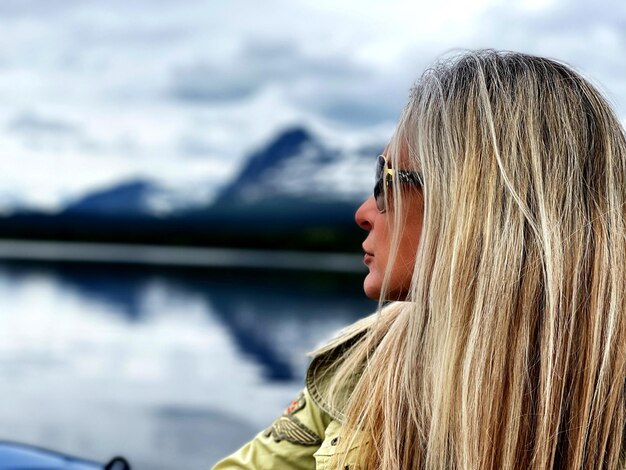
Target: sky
{"points": [[94, 93]]}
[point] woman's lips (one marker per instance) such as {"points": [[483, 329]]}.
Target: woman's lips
{"points": [[368, 257]]}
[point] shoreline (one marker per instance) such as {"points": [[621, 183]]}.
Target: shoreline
{"points": [[163, 255]]}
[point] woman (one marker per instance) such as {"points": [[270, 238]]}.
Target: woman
{"points": [[499, 225]]}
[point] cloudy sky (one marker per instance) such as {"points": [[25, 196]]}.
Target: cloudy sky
{"points": [[93, 92]]}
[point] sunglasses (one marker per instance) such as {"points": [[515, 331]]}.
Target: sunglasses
{"points": [[384, 176]]}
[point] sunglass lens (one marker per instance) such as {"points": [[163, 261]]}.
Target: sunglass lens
{"points": [[380, 168], [379, 196], [379, 190]]}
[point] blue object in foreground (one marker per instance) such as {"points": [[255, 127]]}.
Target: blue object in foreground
{"points": [[14, 456]]}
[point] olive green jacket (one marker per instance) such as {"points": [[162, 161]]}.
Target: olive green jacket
{"points": [[305, 436]]}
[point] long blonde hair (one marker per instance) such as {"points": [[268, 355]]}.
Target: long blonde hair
{"points": [[510, 351]]}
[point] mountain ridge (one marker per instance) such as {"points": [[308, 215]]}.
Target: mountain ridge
{"points": [[294, 165], [292, 193]]}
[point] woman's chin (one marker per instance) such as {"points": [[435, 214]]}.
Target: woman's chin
{"points": [[371, 286]]}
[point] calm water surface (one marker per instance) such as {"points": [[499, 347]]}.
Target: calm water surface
{"points": [[172, 369]]}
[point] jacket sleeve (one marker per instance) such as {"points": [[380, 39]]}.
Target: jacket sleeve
{"points": [[289, 442]]}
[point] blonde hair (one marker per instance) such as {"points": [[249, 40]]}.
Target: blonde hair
{"points": [[510, 350]]}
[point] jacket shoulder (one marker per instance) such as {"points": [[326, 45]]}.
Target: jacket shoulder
{"points": [[290, 442]]}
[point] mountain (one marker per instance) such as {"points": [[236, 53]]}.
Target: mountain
{"points": [[139, 197], [267, 172], [295, 192], [295, 169], [297, 165], [128, 198]]}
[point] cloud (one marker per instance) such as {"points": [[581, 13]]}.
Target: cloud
{"points": [[257, 65], [565, 17], [329, 84], [202, 82], [357, 112], [46, 133], [30, 124], [196, 146], [34, 8]]}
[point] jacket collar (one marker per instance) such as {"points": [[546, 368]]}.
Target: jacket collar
{"points": [[321, 371]]}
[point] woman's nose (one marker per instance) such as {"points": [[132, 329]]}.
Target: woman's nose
{"points": [[364, 215]]}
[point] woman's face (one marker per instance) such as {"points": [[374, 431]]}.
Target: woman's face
{"points": [[377, 242]]}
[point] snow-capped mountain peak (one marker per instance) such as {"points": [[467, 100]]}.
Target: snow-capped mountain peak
{"points": [[296, 164]]}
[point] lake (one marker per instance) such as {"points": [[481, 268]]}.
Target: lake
{"points": [[171, 368]]}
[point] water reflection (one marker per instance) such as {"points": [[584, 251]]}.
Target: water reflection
{"points": [[171, 368]]}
